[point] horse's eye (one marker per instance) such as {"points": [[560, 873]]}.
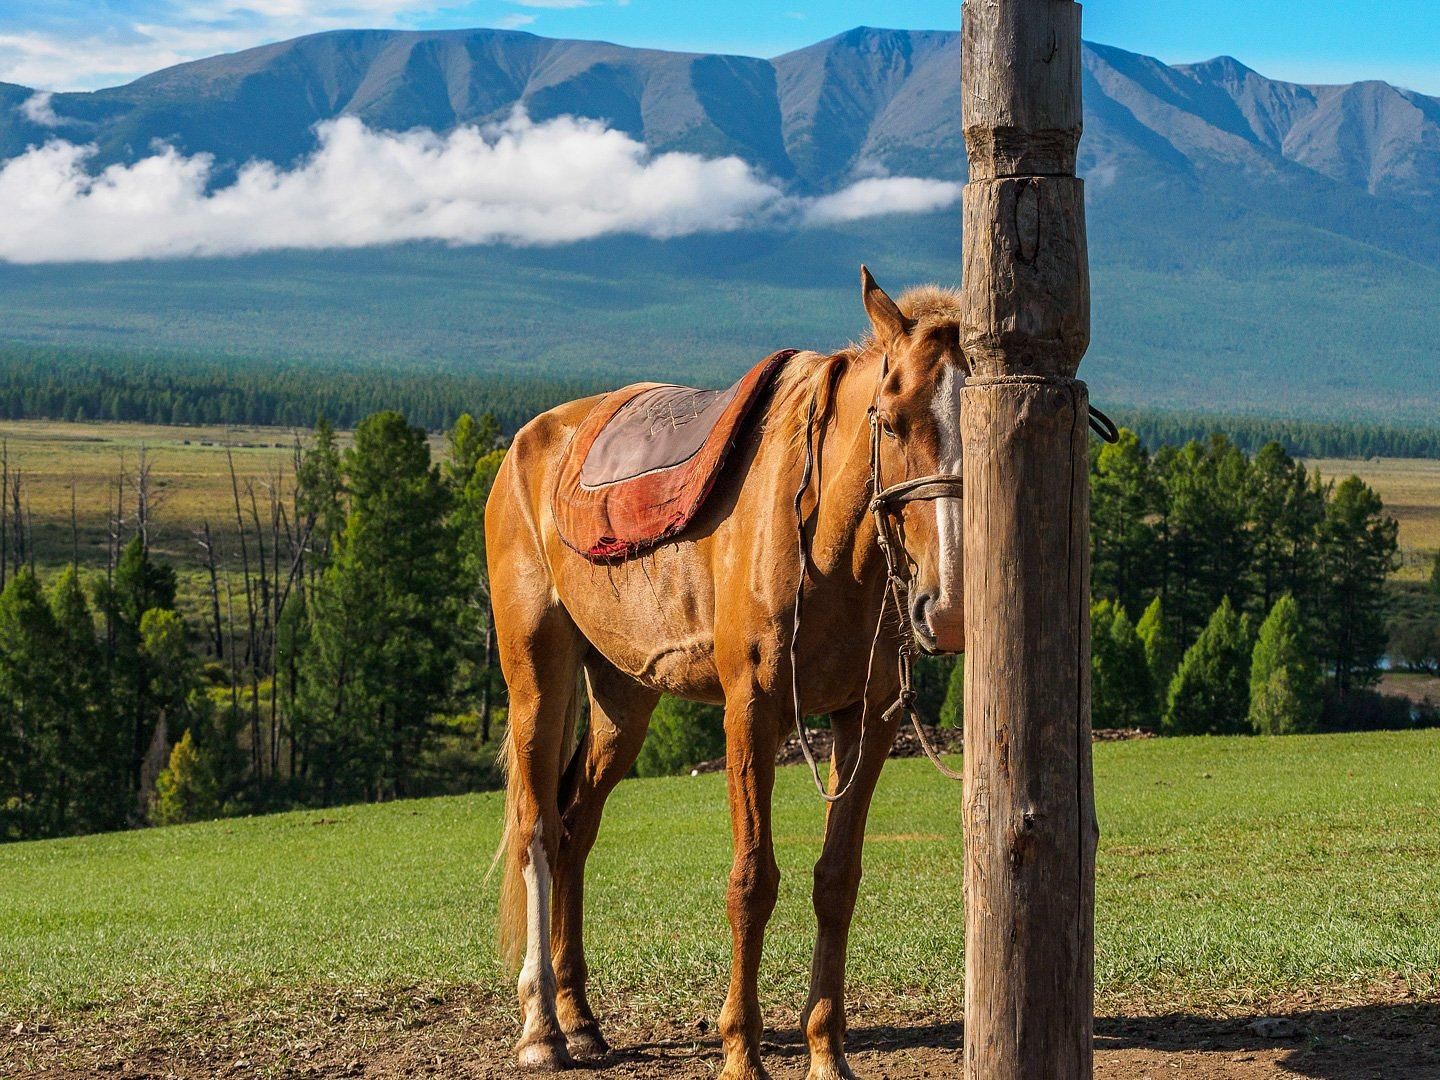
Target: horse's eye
{"points": [[887, 428]]}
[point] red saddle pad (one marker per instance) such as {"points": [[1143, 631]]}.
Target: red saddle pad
{"points": [[641, 464]]}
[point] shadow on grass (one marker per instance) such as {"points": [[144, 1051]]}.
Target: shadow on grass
{"points": [[1350, 1043]]}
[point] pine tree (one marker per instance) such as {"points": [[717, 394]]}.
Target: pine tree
{"points": [[186, 790], [319, 488], [1122, 533], [1359, 550], [1122, 694], [1284, 684], [139, 584], [1285, 511], [34, 763], [1204, 542], [380, 662], [470, 440], [476, 632], [1210, 693], [173, 670], [98, 746], [1162, 650], [952, 712]]}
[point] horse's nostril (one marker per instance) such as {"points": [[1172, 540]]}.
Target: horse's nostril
{"points": [[920, 611]]}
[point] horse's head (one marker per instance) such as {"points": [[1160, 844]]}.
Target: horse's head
{"points": [[918, 408]]}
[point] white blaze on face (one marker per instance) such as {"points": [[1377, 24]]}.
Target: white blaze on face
{"points": [[946, 407]]}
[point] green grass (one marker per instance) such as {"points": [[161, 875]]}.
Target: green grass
{"points": [[1230, 869]]}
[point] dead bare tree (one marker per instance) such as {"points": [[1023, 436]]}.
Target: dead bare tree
{"points": [[74, 526], [145, 498], [17, 521], [4, 515], [252, 645], [207, 545]]}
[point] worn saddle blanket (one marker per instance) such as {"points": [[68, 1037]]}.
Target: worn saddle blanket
{"points": [[641, 464]]}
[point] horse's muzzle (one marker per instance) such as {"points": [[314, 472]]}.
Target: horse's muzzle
{"points": [[938, 629]]}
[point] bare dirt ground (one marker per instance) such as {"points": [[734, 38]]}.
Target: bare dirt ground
{"points": [[470, 1035]]}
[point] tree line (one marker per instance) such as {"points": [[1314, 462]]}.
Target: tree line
{"points": [[39, 382], [1352, 439], [44, 383], [1236, 593]]}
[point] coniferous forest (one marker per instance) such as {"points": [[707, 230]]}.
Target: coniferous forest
{"points": [[339, 647], [163, 388]]}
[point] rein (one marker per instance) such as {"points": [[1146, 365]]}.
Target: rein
{"points": [[884, 501]]}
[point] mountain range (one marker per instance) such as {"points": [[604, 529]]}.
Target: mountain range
{"points": [[1258, 222]]}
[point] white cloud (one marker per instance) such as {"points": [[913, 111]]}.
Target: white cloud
{"points": [[58, 62], [37, 109], [515, 21], [880, 195], [518, 183]]}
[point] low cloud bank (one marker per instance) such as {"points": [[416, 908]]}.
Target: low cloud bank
{"points": [[518, 183], [882, 195]]}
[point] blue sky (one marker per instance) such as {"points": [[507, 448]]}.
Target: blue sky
{"points": [[81, 44]]}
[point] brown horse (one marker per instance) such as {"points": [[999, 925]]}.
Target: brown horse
{"points": [[709, 616]]}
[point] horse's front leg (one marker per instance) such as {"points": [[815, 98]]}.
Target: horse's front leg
{"points": [[752, 726], [837, 881]]}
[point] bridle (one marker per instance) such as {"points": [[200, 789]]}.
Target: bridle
{"points": [[885, 503], [884, 506]]}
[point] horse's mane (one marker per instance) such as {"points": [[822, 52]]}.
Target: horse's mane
{"points": [[811, 376]]}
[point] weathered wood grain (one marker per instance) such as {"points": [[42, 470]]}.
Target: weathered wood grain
{"points": [[1029, 809], [1026, 276], [1021, 79], [1029, 816]]}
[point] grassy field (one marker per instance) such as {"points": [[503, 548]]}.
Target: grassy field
{"points": [[190, 473], [1231, 870]]}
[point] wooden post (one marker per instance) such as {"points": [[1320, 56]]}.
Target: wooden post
{"points": [[1030, 827]]}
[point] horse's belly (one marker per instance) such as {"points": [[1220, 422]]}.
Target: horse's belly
{"points": [[652, 617]]}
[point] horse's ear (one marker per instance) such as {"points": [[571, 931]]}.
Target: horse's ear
{"points": [[887, 319]]}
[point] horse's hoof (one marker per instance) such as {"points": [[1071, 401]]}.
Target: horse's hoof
{"points": [[587, 1044], [743, 1070], [544, 1055], [830, 1070]]}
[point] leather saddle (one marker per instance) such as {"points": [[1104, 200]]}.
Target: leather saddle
{"points": [[641, 464]]}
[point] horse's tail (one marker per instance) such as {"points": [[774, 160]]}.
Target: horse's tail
{"points": [[513, 849]]}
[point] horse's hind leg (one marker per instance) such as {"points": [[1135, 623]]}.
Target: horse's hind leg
{"points": [[540, 650], [620, 711]]}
